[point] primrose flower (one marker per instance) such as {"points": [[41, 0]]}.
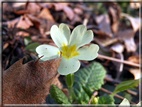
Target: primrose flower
{"points": [[69, 47]]}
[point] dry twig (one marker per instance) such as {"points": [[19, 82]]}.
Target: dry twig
{"points": [[116, 95], [118, 60]]}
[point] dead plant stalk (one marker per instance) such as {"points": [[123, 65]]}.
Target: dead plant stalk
{"points": [[118, 60]]}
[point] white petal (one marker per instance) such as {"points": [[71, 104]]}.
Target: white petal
{"points": [[65, 31], [80, 36], [86, 38], [77, 34], [68, 66], [60, 35], [88, 52], [124, 103], [48, 52]]}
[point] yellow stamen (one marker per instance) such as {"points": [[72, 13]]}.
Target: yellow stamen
{"points": [[69, 52], [59, 52]]}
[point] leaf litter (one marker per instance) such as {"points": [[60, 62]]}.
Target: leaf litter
{"points": [[28, 83], [114, 31]]}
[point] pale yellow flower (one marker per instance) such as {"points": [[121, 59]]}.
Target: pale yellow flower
{"points": [[69, 46]]}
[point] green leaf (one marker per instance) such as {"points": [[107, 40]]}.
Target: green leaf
{"points": [[27, 40], [125, 103], [87, 80], [103, 100], [58, 95], [31, 47], [106, 99], [126, 85]]}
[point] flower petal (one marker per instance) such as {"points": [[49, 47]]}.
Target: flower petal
{"points": [[86, 38], [68, 66], [80, 36], [48, 52], [88, 52], [60, 35], [77, 34]]}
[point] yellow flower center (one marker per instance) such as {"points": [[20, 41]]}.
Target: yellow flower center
{"points": [[69, 52]]}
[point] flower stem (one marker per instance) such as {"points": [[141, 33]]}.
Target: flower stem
{"points": [[69, 82], [70, 94]]}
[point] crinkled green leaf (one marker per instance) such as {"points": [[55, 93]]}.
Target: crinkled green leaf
{"points": [[31, 47], [106, 99], [103, 100], [126, 85], [87, 80], [58, 95]]}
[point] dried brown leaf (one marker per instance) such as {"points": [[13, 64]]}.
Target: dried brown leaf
{"points": [[22, 33], [134, 59], [76, 19], [69, 12], [114, 12], [130, 45], [35, 20], [78, 11], [44, 5], [105, 42], [33, 8], [134, 4], [24, 22], [117, 48], [128, 37], [27, 8], [12, 23], [136, 72], [19, 8], [45, 14], [58, 6], [135, 22], [16, 5], [21, 12], [63, 6], [28, 83], [104, 25]]}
